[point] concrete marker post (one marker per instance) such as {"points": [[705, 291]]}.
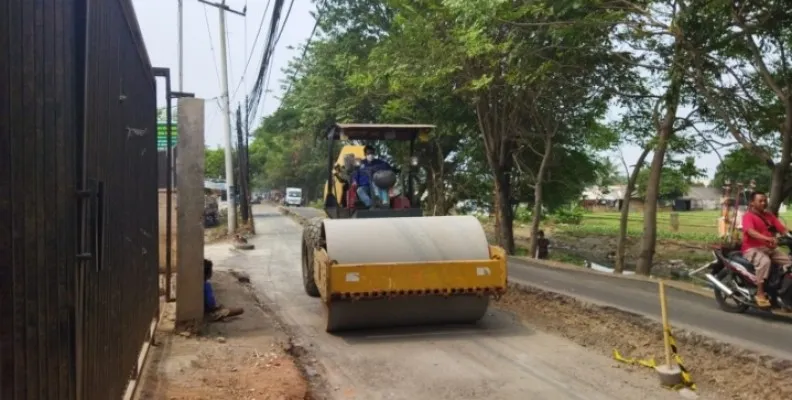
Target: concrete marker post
{"points": [[190, 214], [670, 374]]}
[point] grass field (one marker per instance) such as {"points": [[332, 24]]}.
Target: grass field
{"points": [[700, 226]]}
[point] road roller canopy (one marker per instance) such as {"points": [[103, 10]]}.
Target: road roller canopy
{"points": [[378, 131]]}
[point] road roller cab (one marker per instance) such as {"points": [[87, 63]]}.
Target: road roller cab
{"points": [[341, 198], [391, 266]]}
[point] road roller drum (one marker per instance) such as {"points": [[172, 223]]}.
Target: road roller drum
{"points": [[388, 272]]}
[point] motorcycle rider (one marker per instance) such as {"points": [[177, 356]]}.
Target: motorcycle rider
{"points": [[760, 245]]}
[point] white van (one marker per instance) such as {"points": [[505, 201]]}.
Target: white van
{"points": [[293, 197]]}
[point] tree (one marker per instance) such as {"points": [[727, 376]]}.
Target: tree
{"points": [[608, 174], [742, 59], [742, 165], [672, 184], [214, 163], [632, 180]]}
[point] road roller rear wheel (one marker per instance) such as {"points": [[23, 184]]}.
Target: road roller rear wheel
{"points": [[312, 237]]}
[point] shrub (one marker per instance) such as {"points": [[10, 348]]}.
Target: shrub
{"points": [[568, 216]]}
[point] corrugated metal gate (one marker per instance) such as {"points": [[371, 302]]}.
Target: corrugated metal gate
{"points": [[78, 198]]}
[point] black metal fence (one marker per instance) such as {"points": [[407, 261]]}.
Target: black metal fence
{"points": [[78, 198]]}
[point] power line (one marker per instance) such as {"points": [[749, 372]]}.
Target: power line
{"points": [[252, 49], [245, 49], [255, 95], [285, 20], [274, 46], [211, 45], [255, 98], [266, 86], [304, 53], [229, 52]]}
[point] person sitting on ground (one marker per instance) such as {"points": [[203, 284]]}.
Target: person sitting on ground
{"points": [[363, 178], [216, 311], [542, 245], [760, 245]]}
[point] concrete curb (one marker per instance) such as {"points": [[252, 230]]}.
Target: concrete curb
{"points": [[283, 210], [685, 287], [684, 334]]}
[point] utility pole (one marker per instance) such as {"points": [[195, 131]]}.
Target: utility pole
{"points": [[247, 144], [229, 164], [244, 208]]}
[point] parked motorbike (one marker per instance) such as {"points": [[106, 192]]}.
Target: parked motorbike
{"points": [[733, 278]]}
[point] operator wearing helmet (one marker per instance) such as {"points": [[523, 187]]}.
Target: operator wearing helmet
{"points": [[362, 177]]}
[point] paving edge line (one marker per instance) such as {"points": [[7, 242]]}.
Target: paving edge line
{"points": [[685, 287], [689, 337], [778, 364]]}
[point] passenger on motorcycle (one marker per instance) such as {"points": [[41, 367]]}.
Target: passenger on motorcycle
{"points": [[760, 245]]}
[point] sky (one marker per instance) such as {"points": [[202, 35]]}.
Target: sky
{"points": [[158, 21], [159, 24]]}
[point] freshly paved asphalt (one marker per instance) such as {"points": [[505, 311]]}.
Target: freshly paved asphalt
{"points": [[498, 358], [760, 332]]}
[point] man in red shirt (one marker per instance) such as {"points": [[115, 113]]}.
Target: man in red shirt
{"points": [[760, 245]]}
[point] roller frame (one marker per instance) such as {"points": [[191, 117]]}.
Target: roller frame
{"points": [[370, 295], [388, 280]]}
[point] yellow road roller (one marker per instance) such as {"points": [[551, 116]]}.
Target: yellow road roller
{"points": [[375, 260]]}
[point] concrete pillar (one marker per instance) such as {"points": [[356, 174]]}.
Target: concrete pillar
{"points": [[189, 213]]}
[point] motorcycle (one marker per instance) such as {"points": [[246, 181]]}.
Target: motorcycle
{"points": [[733, 278]]}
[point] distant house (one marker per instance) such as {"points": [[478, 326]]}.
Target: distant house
{"points": [[699, 198], [596, 198]]}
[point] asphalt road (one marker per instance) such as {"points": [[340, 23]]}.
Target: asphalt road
{"points": [[498, 358], [760, 332]]}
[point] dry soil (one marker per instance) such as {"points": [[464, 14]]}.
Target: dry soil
{"points": [[242, 358]]}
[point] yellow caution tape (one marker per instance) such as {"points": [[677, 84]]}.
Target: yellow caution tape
{"points": [[687, 379]]}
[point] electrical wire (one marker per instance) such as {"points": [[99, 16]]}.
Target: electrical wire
{"points": [[275, 44], [255, 98], [285, 20], [256, 92], [252, 49], [304, 53], [228, 46], [211, 45]]}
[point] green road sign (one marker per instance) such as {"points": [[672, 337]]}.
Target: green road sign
{"points": [[162, 135]]}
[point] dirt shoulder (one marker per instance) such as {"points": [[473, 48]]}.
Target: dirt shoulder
{"points": [[246, 357], [720, 370]]}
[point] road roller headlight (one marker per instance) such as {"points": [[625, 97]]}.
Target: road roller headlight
{"points": [[414, 161]]}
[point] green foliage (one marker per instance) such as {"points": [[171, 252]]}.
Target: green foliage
{"points": [[568, 215], [676, 178], [505, 81], [742, 166], [672, 184], [524, 214], [585, 229], [214, 163]]}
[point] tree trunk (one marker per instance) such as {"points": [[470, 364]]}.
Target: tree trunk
{"points": [[781, 169], [537, 209], [666, 131], [504, 219], [498, 150], [621, 242]]}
